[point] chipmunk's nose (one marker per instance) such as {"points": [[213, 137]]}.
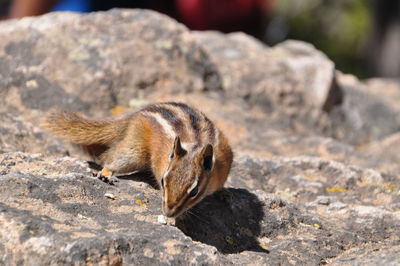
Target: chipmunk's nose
{"points": [[168, 212]]}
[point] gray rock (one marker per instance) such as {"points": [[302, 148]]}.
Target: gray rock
{"points": [[110, 52], [300, 190], [363, 117], [292, 73], [371, 254], [65, 218]]}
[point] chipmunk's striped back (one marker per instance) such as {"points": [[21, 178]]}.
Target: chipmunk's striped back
{"points": [[178, 119]]}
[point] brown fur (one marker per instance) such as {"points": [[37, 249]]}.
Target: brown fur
{"points": [[139, 142], [80, 130]]}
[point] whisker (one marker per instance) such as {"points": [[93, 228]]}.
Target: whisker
{"points": [[197, 216]]}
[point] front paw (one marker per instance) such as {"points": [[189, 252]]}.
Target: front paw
{"points": [[107, 176]]}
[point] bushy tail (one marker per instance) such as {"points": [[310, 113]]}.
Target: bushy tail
{"points": [[80, 130]]}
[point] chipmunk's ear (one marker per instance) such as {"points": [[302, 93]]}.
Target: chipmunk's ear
{"points": [[177, 150], [207, 155]]}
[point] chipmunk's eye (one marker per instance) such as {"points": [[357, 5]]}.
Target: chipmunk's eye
{"points": [[195, 190], [171, 156]]}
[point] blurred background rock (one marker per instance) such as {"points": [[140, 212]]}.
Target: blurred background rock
{"points": [[361, 36]]}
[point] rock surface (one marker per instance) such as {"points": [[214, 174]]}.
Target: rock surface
{"points": [[316, 172]]}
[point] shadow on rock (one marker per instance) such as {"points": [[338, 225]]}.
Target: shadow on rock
{"points": [[230, 220], [146, 177]]}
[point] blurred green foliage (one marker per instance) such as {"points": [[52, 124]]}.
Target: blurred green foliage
{"points": [[339, 28]]}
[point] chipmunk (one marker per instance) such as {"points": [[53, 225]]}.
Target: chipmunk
{"points": [[189, 157]]}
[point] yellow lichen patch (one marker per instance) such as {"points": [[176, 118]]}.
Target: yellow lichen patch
{"points": [[361, 147], [264, 247], [317, 226], [20, 228], [336, 189], [140, 203], [308, 176], [390, 186], [170, 245], [364, 182], [118, 110], [229, 240]]}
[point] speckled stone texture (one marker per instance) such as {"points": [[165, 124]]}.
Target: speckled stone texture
{"points": [[315, 178]]}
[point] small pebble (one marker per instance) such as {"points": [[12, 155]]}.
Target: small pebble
{"points": [[322, 200], [80, 216], [109, 195], [4, 172], [161, 219], [10, 164]]}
